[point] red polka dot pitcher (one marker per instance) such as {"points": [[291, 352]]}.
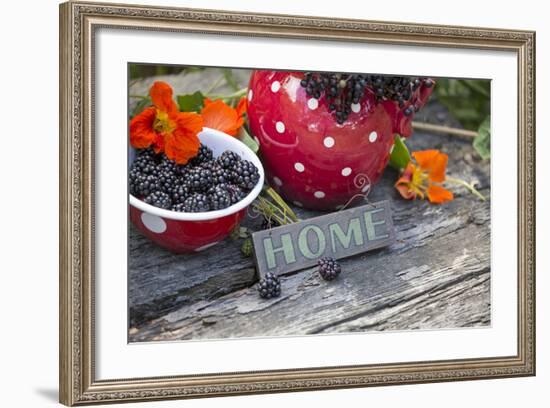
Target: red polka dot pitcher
{"points": [[314, 160]]}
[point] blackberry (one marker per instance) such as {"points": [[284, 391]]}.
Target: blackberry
{"points": [[236, 193], [245, 175], [219, 197], [329, 268], [142, 185], [196, 202], [145, 160], [142, 176], [205, 154], [270, 286], [182, 169], [228, 159], [180, 193], [167, 181], [199, 179], [179, 207], [159, 199], [220, 175]]}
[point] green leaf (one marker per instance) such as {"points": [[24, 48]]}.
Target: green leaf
{"points": [[468, 100], [248, 140], [191, 102], [482, 142], [400, 156]]}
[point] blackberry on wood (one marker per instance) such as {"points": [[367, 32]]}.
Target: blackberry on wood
{"points": [[245, 175], [196, 202], [329, 268], [159, 199], [270, 286]]}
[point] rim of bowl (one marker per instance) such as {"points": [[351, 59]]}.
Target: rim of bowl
{"points": [[210, 215]]}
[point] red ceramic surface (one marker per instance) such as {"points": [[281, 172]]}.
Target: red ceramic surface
{"points": [[184, 236], [192, 232], [309, 158]]}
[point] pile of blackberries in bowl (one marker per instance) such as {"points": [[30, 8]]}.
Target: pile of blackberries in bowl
{"points": [[192, 206], [204, 184]]}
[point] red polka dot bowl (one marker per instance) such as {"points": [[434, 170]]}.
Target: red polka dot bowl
{"points": [[182, 232], [310, 159]]}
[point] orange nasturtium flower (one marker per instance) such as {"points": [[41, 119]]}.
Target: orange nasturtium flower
{"points": [[220, 116], [425, 177], [165, 128]]}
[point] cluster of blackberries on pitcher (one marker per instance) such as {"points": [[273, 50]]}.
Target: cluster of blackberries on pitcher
{"points": [[204, 184], [343, 90]]}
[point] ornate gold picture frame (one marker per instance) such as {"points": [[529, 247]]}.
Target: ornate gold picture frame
{"points": [[78, 24]]}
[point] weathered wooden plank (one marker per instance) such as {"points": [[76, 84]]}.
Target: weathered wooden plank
{"points": [[375, 291]]}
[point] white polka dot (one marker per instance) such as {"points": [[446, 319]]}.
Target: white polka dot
{"points": [[153, 223], [346, 171], [299, 167], [280, 126], [297, 204], [275, 86], [319, 194], [312, 104], [202, 248], [355, 107], [373, 136], [366, 188], [277, 181], [250, 94], [257, 140], [328, 142]]}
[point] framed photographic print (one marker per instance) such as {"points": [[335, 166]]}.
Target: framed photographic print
{"points": [[258, 203]]}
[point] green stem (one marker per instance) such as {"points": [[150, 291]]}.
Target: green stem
{"points": [[469, 186], [215, 84], [279, 200], [283, 213], [237, 94], [138, 96], [269, 210]]}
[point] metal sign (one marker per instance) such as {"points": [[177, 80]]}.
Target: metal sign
{"points": [[340, 234]]}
